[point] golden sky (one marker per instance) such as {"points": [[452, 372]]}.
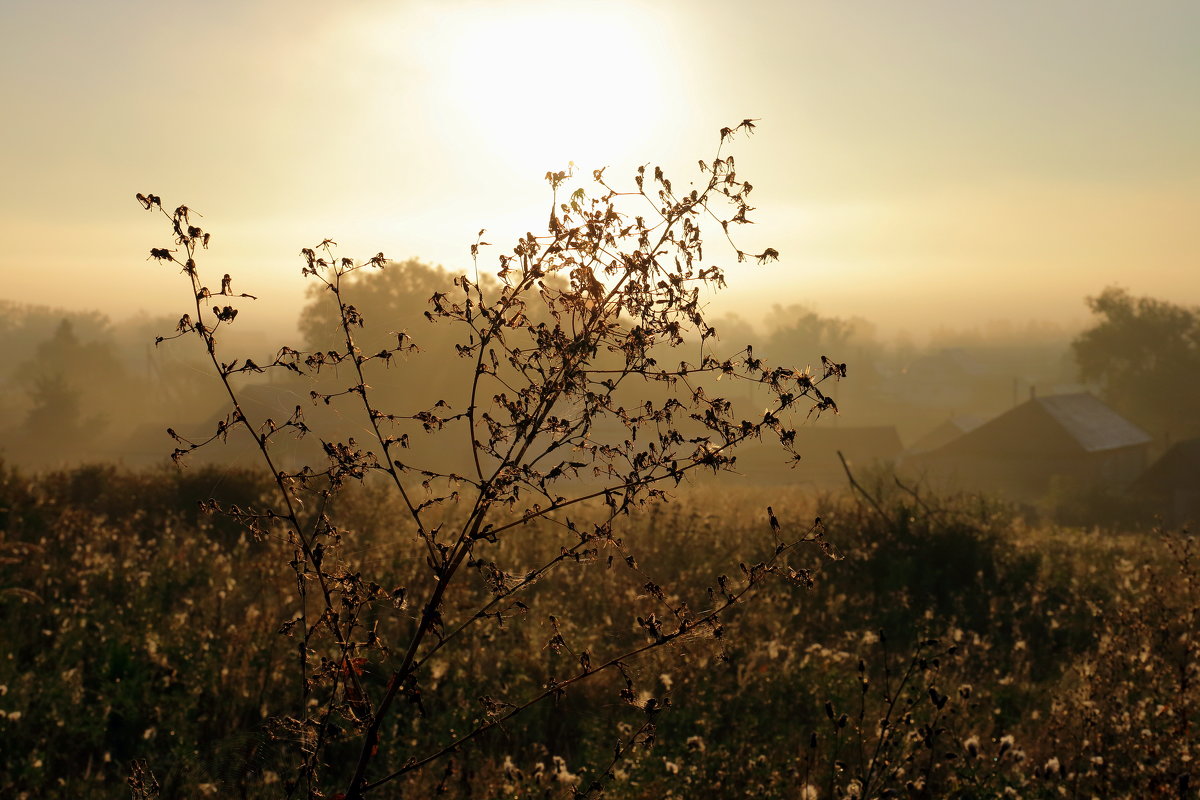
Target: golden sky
{"points": [[918, 163]]}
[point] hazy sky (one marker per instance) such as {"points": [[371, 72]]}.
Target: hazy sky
{"points": [[917, 163]]}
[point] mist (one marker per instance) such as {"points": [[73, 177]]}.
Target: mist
{"points": [[523, 398]]}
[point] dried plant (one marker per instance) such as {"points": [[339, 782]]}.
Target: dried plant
{"points": [[579, 413]]}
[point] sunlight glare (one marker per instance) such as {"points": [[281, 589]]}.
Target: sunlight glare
{"points": [[548, 84]]}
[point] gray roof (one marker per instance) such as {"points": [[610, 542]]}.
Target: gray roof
{"points": [[1092, 424]]}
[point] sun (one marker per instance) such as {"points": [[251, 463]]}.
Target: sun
{"points": [[541, 85]]}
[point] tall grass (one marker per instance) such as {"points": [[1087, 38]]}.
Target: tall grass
{"points": [[1064, 661]]}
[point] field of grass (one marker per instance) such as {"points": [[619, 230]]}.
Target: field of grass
{"points": [[952, 651]]}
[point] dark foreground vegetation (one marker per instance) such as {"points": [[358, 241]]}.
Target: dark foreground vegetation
{"points": [[953, 652]]}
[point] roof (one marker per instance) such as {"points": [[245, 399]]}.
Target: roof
{"points": [[948, 431], [1057, 425], [1092, 424]]}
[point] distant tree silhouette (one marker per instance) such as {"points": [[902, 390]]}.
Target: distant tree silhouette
{"points": [[1144, 354], [795, 329], [71, 384], [392, 301], [54, 422], [25, 325]]}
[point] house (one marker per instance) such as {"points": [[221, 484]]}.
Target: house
{"points": [[1071, 438], [1172, 483], [945, 433]]}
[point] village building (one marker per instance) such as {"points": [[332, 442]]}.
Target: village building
{"points": [[1069, 439], [945, 433], [1171, 485]]}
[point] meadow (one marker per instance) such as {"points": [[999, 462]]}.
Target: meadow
{"points": [[282, 516], [953, 649]]}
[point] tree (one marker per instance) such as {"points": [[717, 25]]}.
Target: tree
{"points": [[394, 299], [554, 352], [74, 387], [392, 302], [797, 329], [1144, 354]]}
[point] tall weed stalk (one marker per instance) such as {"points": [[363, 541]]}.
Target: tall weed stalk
{"points": [[583, 407]]}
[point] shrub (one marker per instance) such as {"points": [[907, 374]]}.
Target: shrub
{"points": [[576, 413]]}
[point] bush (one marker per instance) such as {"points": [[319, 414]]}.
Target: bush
{"points": [[569, 420]]}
